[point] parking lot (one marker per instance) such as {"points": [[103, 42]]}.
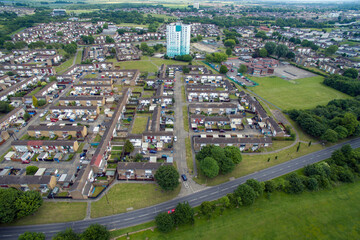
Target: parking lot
{"points": [[289, 72]]}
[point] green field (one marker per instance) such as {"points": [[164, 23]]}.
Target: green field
{"points": [[299, 94], [54, 212], [146, 64], [140, 124], [127, 195], [64, 66], [327, 214]]}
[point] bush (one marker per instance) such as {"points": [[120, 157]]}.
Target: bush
{"points": [[31, 170], [270, 186], [246, 193], [256, 185]]}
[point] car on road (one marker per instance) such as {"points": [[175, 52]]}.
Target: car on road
{"points": [[175, 139], [183, 176], [171, 211], [209, 130]]}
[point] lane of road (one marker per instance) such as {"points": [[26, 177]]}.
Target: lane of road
{"points": [[147, 214]]}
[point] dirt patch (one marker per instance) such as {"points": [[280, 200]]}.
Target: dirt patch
{"points": [[204, 48]]}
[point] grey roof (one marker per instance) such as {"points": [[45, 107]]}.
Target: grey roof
{"points": [[212, 105], [23, 179], [199, 140], [55, 128], [42, 143], [73, 107], [82, 98]]}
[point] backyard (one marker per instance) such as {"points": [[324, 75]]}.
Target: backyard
{"points": [[327, 214], [135, 195], [299, 94]]}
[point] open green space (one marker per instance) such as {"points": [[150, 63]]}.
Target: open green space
{"points": [[189, 156], [134, 25], [254, 163], [55, 212], [296, 94], [140, 124], [90, 75], [79, 56], [133, 195], [64, 66], [327, 214], [186, 118], [35, 91]]}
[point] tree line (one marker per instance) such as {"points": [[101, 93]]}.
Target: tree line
{"points": [[348, 85], [93, 232], [342, 167], [332, 122]]}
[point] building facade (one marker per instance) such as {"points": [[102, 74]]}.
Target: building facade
{"points": [[177, 39]]}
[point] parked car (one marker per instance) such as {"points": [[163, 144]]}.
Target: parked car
{"points": [[175, 139], [196, 130], [153, 151], [183, 176]]}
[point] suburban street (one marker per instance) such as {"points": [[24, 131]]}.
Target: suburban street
{"points": [[147, 214]]}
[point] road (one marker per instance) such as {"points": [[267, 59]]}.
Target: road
{"points": [[147, 214]]}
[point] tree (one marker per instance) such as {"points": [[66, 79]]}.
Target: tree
{"points": [[28, 203], [185, 58], [138, 157], [228, 51], [331, 50], [186, 70], [226, 165], [167, 177], [350, 123], [32, 236], [295, 184], [144, 47], [128, 147], [281, 50], [95, 232], [207, 208], [225, 202], [270, 47], [217, 57], [41, 102], [8, 209], [233, 153], [341, 131], [9, 46], [164, 222], [256, 185], [27, 116], [20, 44], [242, 69], [312, 184], [70, 48], [209, 167], [109, 39], [330, 136], [230, 43], [67, 234], [351, 73], [223, 69], [183, 214], [261, 34], [31, 170], [5, 107], [290, 55], [263, 52], [60, 34], [270, 186], [105, 26], [246, 193]]}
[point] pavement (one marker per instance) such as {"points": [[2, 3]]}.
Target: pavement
{"points": [[136, 217]]}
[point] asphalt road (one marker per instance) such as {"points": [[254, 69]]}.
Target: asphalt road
{"points": [[147, 214]]}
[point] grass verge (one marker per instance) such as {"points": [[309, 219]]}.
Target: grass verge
{"points": [[189, 157], [134, 195], [186, 118], [55, 212]]}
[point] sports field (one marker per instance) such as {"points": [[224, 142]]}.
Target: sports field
{"points": [[328, 214], [299, 94]]}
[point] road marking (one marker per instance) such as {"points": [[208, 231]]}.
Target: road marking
{"points": [[143, 215], [128, 219]]}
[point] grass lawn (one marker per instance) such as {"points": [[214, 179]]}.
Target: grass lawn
{"points": [[148, 94], [131, 25], [327, 214], [135, 195], [54, 212], [299, 94], [97, 138], [64, 66], [78, 57], [142, 65], [90, 75], [139, 124], [81, 146], [189, 158], [137, 89], [35, 91], [253, 163], [186, 118]]}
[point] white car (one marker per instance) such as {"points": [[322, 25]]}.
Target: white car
{"points": [[175, 139]]}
